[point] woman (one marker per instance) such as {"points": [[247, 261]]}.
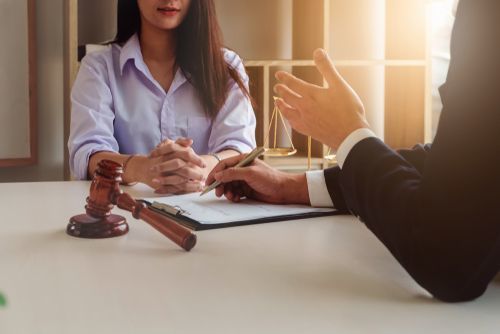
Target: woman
{"points": [[164, 79]]}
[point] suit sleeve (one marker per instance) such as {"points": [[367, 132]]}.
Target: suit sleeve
{"points": [[438, 214], [416, 157]]}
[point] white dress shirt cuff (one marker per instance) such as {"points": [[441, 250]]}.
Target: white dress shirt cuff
{"points": [[318, 192], [351, 141]]}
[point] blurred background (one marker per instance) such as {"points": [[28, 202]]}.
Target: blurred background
{"points": [[394, 53]]}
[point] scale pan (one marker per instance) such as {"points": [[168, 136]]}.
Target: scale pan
{"points": [[280, 152], [331, 157]]}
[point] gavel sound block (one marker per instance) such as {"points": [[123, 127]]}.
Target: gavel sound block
{"points": [[105, 193]]}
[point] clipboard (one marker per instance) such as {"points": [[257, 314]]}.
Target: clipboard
{"points": [[228, 214]]}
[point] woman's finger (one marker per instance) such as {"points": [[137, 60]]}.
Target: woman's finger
{"points": [[191, 173], [169, 166], [186, 142], [167, 148], [187, 155], [169, 180], [185, 188]]}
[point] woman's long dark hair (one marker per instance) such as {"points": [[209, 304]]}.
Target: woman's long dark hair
{"points": [[199, 50]]}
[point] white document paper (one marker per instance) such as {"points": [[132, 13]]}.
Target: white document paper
{"points": [[209, 209]]}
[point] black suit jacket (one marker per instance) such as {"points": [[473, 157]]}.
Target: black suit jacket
{"points": [[437, 209]]}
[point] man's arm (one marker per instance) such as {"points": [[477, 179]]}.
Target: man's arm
{"points": [[440, 218], [439, 215], [441, 222], [329, 183]]}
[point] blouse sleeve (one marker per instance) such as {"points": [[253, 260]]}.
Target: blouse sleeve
{"points": [[234, 125], [92, 116]]}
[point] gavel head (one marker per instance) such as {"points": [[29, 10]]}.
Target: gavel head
{"points": [[98, 222], [105, 188], [105, 193]]}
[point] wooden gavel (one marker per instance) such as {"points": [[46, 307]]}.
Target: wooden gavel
{"points": [[105, 193]]}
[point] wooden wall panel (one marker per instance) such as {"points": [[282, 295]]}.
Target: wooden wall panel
{"points": [[256, 75], [70, 69], [18, 102], [310, 31], [406, 29], [404, 106]]}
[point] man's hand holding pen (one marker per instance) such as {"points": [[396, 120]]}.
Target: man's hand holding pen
{"points": [[258, 181]]}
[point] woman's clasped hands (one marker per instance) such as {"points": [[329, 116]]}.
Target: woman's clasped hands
{"points": [[174, 168]]}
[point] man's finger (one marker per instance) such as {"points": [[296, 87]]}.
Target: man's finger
{"points": [[239, 190], [297, 85], [326, 68], [234, 174], [228, 192], [219, 191], [289, 96], [286, 110], [224, 164]]}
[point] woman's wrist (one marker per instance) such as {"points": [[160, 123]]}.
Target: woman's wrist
{"points": [[134, 169], [213, 159], [210, 162]]}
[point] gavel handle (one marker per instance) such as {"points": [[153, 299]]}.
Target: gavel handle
{"points": [[168, 227]]}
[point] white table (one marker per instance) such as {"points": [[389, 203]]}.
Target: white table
{"points": [[326, 275]]}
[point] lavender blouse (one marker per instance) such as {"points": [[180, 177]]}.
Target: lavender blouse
{"points": [[118, 106]]}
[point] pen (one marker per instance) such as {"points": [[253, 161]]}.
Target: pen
{"points": [[257, 152]]}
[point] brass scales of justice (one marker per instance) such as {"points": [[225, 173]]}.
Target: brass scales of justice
{"points": [[277, 151]]}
